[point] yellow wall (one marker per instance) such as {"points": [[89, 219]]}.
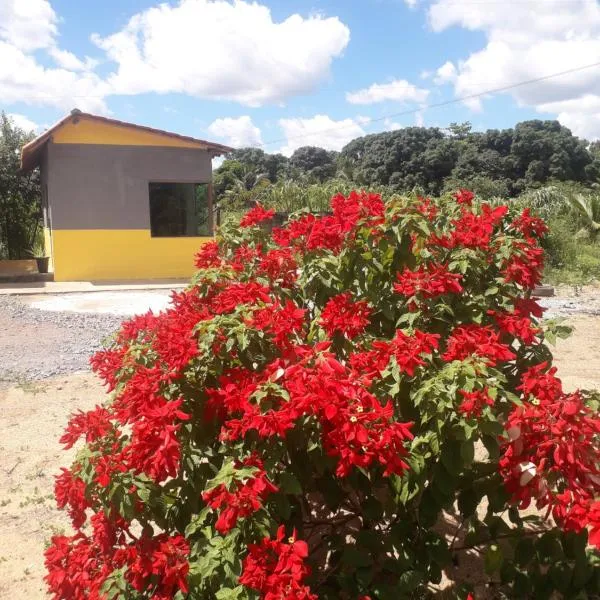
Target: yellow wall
{"points": [[110, 254], [48, 247], [90, 131]]}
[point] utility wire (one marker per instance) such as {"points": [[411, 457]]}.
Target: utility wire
{"points": [[423, 107]]}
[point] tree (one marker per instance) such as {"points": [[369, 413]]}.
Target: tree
{"points": [[20, 196], [316, 163]]}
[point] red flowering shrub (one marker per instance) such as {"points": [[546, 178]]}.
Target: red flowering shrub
{"points": [[305, 416]]}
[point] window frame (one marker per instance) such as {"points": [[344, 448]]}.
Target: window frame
{"points": [[211, 216]]}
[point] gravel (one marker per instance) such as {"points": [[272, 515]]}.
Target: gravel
{"points": [[36, 344]]}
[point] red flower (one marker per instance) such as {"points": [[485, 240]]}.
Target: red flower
{"points": [[428, 281], [70, 490], [530, 227], [279, 266], [256, 215], [540, 383], [276, 569], [471, 230], [208, 256], [75, 568], [345, 316], [92, 425], [525, 265], [476, 340], [464, 197], [427, 208], [474, 402], [159, 563], [245, 499], [516, 325]]}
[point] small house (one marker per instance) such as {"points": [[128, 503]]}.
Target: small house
{"points": [[122, 201]]}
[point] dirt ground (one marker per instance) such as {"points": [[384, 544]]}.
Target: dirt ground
{"points": [[35, 413]]}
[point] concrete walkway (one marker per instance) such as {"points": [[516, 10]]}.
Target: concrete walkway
{"points": [[70, 287]]}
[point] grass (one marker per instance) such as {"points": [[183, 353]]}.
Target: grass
{"points": [[582, 266]]}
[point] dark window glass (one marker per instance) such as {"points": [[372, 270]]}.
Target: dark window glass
{"points": [[179, 209]]}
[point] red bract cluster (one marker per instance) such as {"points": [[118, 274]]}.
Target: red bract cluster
{"points": [[257, 215], [479, 341], [472, 230], [551, 453], [245, 498], [345, 316], [474, 402], [313, 377], [331, 231], [277, 569], [428, 281]]}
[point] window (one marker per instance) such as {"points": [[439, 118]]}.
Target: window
{"points": [[180, 209]]}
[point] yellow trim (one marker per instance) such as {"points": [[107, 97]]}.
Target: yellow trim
{"points": [[89, 131], [113, 254]]}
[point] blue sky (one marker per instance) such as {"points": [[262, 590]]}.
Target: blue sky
{"points": [[281, 74]]}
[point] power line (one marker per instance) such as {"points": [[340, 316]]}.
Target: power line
{"points": [[423, 107]]}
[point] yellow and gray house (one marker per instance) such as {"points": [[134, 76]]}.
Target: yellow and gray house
{"points": [[122, 201]]}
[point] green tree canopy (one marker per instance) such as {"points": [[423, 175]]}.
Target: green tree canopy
{"points": [[20, 196]]}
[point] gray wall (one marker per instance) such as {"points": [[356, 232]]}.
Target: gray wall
{"points": [[106, 187]]}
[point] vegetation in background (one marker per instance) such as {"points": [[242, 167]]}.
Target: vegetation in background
{"points": [[496, 162], [20, 196], [538, 164]]}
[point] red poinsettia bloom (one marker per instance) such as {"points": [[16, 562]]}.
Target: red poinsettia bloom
{"points": [[474, 402], [243, 500], [256, 215], [428, 281], [464, 197], [342, 314], [476, 340], [277, 569]]}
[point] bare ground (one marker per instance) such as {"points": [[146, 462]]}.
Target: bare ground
{"points": [[34, 414]]}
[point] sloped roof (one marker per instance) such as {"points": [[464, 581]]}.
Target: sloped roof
{"points": [[31, 152]]}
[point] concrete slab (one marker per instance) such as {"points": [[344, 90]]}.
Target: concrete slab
{"points": [[70, 287], [122, 302]]}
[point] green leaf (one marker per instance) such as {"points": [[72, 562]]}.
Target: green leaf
{"points": [[409, 581], [524, 551], [467, 502], [494, 558], [355, 557], [289, 484], [467, 452], [231, 593]]}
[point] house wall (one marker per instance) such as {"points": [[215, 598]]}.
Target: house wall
{"points": [[100, 210]]}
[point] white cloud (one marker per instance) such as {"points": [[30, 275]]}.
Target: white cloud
{"points": [[237, 132], [445, 74], [218, 49], [23, 122], [223, 50], [28, 24], [398, 90], [526, 41], [320, 130], [23, 79], [391, 125], [67, 60]]}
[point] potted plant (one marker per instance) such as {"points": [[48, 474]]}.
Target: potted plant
{"points": [[38, 252]]}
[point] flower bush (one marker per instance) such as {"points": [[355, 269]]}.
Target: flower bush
{"points": [[343, 407]]}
